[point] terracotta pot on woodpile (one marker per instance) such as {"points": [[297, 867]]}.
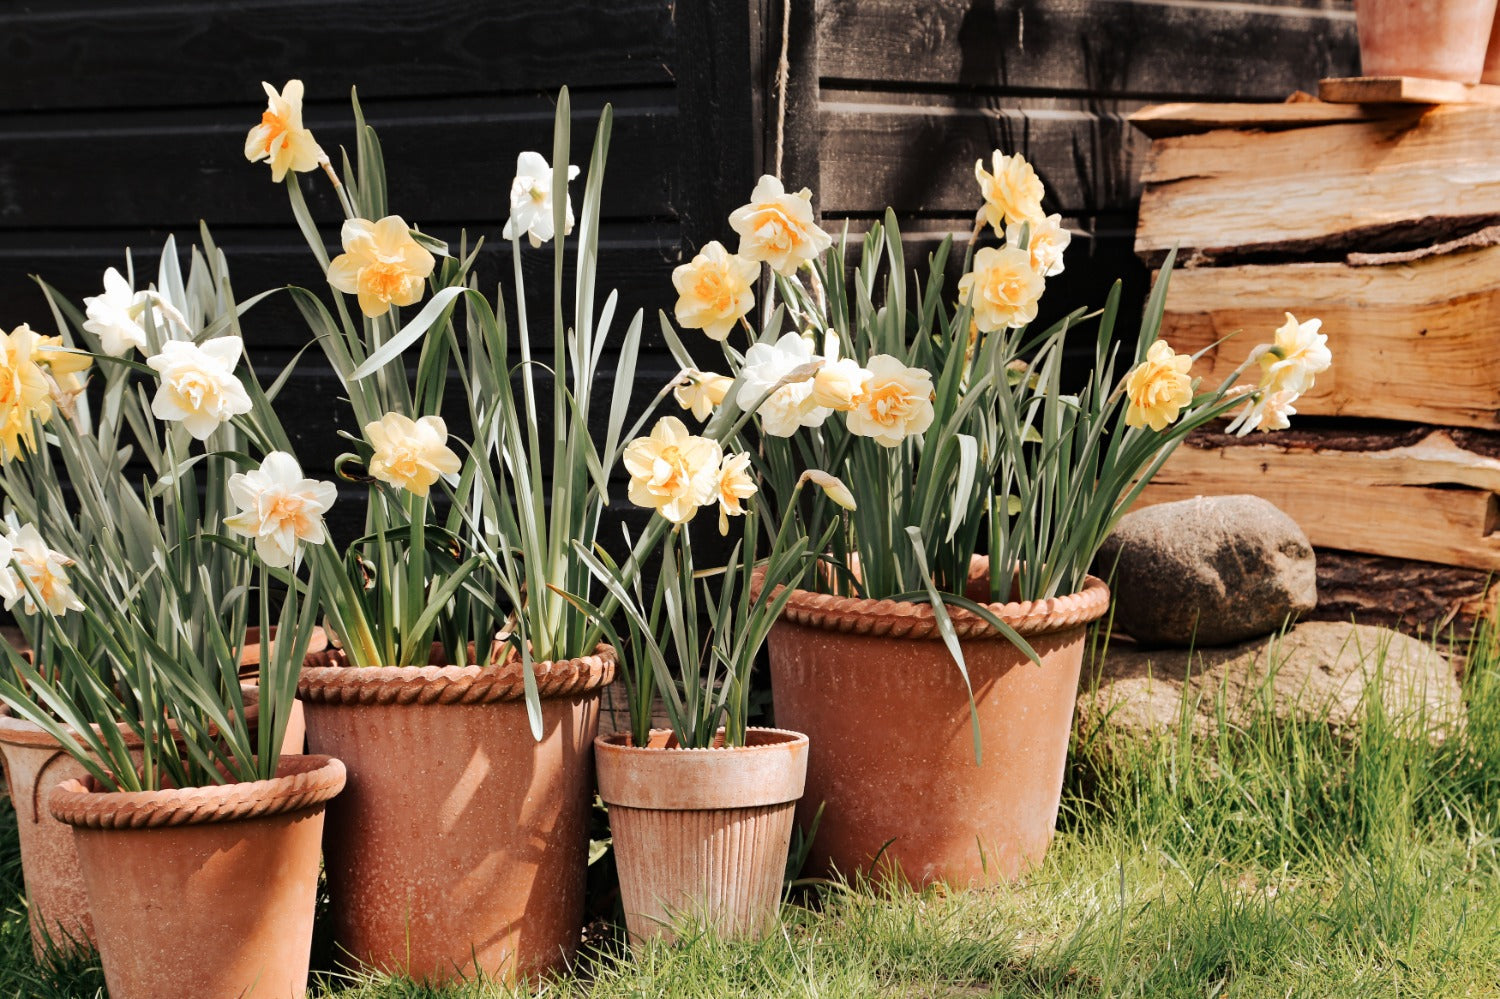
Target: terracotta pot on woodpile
{"points": [[461, 844], [1492, 55], [35, 763], [204, 891], [892, 754], [701, 835], [1436, 39]]}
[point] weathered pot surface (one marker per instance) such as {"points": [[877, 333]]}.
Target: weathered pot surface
{"points": [[1438, 40], [892, 756], [461, 842], [205, 891], [701, 834], [35, 763]]}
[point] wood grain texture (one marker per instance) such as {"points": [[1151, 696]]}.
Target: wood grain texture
{"points": [[1190, 118], [182, 53], [1412, 596], [1411, 341], [1196, 50], [1363, 186], [1405, 90], [1404, 505]]}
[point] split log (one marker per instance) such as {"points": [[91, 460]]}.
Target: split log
{"points": [[1432, 500], [1420, 598], [1163, 120], [1404, 89], [1411, 340], [1394, 182]]}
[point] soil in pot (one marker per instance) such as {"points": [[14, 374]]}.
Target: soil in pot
{"points": [[701, 835], [204, 892], [461, 843], [892, 755], [35, 763]]}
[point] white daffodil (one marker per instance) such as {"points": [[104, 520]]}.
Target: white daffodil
{"points": [[788, 366], [833, 487], [280, 508], [531, 200], [1295, 357], [198, 386], [47, 570], [117, 317]]}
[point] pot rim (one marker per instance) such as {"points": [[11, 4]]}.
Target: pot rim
{"points": [[773, 772], [903, 619], [333, 683], [17, 731], [301, 782]]}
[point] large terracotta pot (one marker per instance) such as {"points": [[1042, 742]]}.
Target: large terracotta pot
{"points": [[1491, 72], [35, 763], [204, 892], [892, 755], [701, 833], [462, 842], [1437, 39]]}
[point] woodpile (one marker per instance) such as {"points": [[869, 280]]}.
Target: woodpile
{"points": [[1383, 220]]}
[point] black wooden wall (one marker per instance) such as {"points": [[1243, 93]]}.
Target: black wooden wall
{"points": [[121, 122]]}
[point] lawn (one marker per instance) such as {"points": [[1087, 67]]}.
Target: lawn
{"points": [[1270, 861]]}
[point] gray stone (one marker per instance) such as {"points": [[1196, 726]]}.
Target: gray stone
{"points": [[1318, 671], [1208, 571]]}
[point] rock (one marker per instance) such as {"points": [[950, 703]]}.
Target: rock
{"points": [[1208, 571], [1317, 671]]}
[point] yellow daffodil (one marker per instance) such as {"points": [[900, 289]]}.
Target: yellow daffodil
{"points": [[896, 402], [382, 264], [1046, 240], [1295, 357], [280, 138], [672, 471], [63, 366], [840, 380], [1012, 192], [279, 508], [778, 227], [700, 391], [411, 454], [714, 290], [1002, 289], [734, 485], [833, 487], [25, 397], [1159, 388], [198, 387]]}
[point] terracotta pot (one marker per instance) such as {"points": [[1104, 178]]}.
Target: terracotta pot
{"points": [[462, 842], [250, 655], [205, 891], [701, 833], [34, 764], [1437, 39], [1491, 72], [892, 756]]}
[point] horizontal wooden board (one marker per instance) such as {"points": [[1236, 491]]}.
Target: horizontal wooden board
{"points": [[1405, 90], [187, 53], [1402, 505], [1196, 49], [1162, 120], [448, 162], [1408, 179], [1089, 159], [1413, 341]]}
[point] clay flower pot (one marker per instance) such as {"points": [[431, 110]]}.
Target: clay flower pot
{"points": [[1491, 72], [880, 698], [35, 763], [701, 833], [296, 725], [204, 891], [1437, 39], [461, 842]]}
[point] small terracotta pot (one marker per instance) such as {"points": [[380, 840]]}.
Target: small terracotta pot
{"points": [[250, 657], [1436, 39], [701, 833], [1491, 72], [57, 903], [205, 891], [462, 842], [892, 755]]}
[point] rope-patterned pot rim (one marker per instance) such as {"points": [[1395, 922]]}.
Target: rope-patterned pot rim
{"points": [[301, 782], [916, 620], [332, 683]]}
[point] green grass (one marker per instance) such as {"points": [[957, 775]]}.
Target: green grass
{"points": [[1271, 861]]}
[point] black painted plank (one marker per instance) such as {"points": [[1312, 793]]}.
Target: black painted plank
{"points": [[1199, 49], [888, 150], [193, 53], [447, 161]]}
